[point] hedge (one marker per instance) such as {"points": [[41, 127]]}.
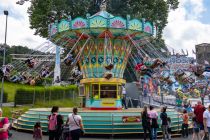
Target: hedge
{"points": [[26, 95], [5, 96]]}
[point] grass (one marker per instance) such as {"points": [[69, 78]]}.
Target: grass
{"points": [[7, 111]]}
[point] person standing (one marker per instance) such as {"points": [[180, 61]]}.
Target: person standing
{"points": [[185, 118], [37, 134], [4, 126], [154, 124], [164, 120], [196, 129], [75, 122], [198, 111], [55, 124], [206, 121], [124, 97], [146, 123]]}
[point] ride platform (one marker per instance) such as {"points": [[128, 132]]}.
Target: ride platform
{"points": [[96, 122]]}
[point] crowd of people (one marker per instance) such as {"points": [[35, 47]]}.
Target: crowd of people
{"points": [[200, 123]]}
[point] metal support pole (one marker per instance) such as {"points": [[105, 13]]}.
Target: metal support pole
{"points": [[5, 42], [161, 98]]}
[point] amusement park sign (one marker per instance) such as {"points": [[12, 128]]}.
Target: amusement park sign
{"points": [[179, 62]]}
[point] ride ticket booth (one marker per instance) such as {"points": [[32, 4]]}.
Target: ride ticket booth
{"points": [[102, 94]]}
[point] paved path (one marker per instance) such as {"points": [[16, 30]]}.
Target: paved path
{"points": [[28, 136]]}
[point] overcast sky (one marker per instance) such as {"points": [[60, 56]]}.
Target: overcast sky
{"points": [[188, 25]]}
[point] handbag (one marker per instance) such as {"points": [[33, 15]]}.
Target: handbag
{"points": [[81, 131]]}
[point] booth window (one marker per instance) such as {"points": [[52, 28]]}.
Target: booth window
{"points": [[95, 90], [108, 91], [81, 90]]}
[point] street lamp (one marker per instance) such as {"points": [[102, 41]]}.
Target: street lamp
{"points": [[6, 13]]}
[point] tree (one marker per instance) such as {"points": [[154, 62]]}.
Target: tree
{"points": [[43, 12]]}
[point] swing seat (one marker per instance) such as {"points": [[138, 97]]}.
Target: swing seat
{"points": [[30, 65], [68, 62], [163, 64], [32, 82], [108, 75], [109, 67]]}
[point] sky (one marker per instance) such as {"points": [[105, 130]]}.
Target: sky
{"points": [[187, 26]]}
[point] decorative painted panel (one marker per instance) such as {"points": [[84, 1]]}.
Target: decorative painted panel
{"points": [[135, 25], [54, 29], [98, 22], [148, 27], [63, 26], [117, 22], [79, 23]]}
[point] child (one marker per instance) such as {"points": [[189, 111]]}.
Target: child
{"points": [[169, 128], [196, 129], [37, 135]]}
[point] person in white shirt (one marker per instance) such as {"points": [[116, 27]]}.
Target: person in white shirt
{"points": [[75, 123], [206, 120], [124, 97]]}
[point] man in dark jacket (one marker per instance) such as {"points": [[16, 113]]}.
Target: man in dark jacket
{"points": [[164, 117]]}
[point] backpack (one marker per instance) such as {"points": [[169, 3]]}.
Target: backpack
{"points": [[52, 122]]}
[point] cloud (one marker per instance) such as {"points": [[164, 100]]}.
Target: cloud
{"points": [[19, 32], [184, 29]]}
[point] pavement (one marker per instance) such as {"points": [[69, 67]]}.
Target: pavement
{"points": [[28, 136]]}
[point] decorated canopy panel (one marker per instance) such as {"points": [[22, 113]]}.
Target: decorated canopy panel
{"points": [[97, 23]]}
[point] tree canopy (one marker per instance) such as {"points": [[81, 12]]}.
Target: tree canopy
{"points": [[43, 12]]}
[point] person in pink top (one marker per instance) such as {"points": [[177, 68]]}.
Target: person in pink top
{"points": [[4, 126], [154, 124]]}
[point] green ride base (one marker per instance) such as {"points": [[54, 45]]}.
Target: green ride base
{"points": [[95, 122]]}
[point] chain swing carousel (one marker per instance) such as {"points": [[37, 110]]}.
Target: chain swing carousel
{"points": [[101, 45]]}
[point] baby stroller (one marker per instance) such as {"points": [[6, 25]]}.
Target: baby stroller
{"points": [[66, 135]]}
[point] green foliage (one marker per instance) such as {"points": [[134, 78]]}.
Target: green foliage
{"points": [[42, 94], [11, 88], [5, 96], [153, 10], [60, 103], [13, 50]]}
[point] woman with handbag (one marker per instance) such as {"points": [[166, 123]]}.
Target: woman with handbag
{"points": [[75, 123]]}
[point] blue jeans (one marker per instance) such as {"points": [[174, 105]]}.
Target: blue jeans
{"points": [[154, 133], [208, 130]]}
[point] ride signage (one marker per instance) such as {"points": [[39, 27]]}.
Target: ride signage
{"points": [[130, 119]]}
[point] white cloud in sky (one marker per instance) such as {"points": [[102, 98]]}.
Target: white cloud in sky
{"points": [[184, 29], [19, 32]]}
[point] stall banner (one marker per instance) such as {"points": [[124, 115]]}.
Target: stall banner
{"points": [[129, 119]]}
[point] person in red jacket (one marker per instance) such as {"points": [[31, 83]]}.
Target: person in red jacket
{"points": [[198, 111]]}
